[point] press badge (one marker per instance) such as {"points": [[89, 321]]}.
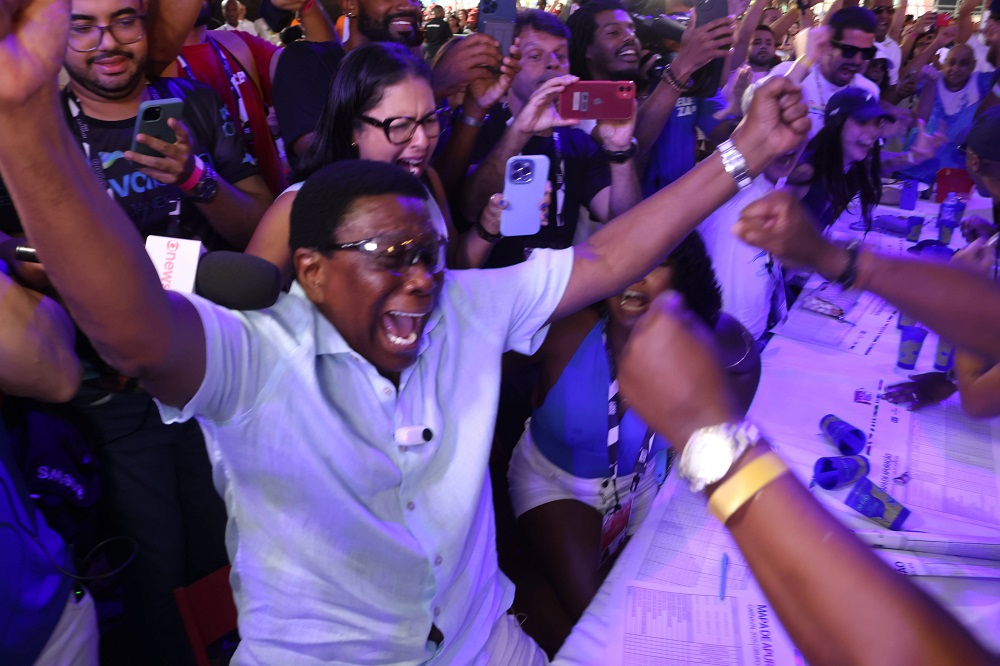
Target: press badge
{"points": [[613, 528]]}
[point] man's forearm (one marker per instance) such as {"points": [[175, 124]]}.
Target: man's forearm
{"points": [[234, 213], [36, 345], [91, 249], [835, 598], [625, 189], [167, 26], [316, 24], [487, 179], [960, 306]]}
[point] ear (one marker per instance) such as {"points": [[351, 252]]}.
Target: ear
{"points": [[310, 271], [973, 162]]}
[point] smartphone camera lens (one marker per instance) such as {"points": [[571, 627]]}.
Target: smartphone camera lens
{"points": [[521, 172], [151, 115]]}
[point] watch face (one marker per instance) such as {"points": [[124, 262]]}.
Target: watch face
{"points": [[207, 187], [711, 457]]}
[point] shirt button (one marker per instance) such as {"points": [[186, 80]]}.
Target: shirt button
{"points": [[437, 611], [411, 506], [438, 560], [387, 391]]}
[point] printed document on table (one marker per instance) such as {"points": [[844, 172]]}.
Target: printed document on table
{"points": [[673, 611], [672, 625], [863, 325]]}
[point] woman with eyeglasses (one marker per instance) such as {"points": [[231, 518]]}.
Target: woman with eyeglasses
{"points": [[381, 107]]}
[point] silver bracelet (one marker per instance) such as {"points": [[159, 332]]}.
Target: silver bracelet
{"points": [[735, 164], [473, 122]]}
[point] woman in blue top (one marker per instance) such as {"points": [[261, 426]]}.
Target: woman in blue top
{"points": [[577, 490]]}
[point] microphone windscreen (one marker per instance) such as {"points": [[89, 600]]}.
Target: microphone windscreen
{"points": [[238, 281]]}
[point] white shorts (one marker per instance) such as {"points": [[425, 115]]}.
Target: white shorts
{"points": [[533, 481]]}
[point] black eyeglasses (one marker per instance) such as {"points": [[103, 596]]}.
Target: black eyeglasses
{"points": [[884, 10], [395, 256], [84, 37], [867, 53], [400, 129]]}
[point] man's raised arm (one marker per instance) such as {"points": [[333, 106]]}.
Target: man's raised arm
{"points": [[92, 252], [631, 245]]}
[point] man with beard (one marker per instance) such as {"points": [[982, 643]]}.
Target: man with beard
{"points": [[234, 13], [302, 81], [157, 487], [761, 54], [240, 68], [581, 172], [851, 47]]}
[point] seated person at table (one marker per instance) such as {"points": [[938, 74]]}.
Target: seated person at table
{"points": [[376, 83], [842, 161], [565, 475]]}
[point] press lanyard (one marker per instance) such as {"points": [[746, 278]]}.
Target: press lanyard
{"points": [[235, 82], [560, 177], [614, 422]]}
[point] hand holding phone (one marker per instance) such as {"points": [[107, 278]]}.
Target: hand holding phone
{"points": [[525, 180], [152, 121], [597, 100]]}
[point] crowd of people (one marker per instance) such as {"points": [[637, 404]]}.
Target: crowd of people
{"points": [[433, 444]]}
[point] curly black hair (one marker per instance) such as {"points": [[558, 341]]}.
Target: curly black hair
{"points": [[694, 278], [582, 26]]}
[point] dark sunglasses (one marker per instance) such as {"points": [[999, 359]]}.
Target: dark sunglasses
{"points": [[867, 53], [884, 10], [396, 256]]}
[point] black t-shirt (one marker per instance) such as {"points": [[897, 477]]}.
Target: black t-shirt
{"points": [[301, 87], [586, 172], [147, 201], [438, 32]]}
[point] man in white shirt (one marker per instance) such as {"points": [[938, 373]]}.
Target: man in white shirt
{"points": [[350, 425], [884, 42], [753, 290], [842, 64], [235, 13]]}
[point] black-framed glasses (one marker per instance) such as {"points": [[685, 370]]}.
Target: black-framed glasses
{"points": [[84, 37], [867, 52], [400, 129], [396, 256], [884, 10]]}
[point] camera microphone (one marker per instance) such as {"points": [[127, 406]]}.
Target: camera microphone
{"points": [[415, 434]]}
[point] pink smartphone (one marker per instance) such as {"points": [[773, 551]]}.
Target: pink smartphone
{"points": [[597, 100]]}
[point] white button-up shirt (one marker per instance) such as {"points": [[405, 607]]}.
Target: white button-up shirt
{"points": [[345, 546]]}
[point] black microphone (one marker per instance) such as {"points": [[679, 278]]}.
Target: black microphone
{"points": [[231, 279], [237, 281]]}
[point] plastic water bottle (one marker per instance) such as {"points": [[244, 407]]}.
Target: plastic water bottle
{"points": [[949, 216]]}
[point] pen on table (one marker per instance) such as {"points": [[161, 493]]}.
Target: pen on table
{"points": [[722, 577]]}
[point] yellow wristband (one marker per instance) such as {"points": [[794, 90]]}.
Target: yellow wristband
{"points": [[744, 484]]}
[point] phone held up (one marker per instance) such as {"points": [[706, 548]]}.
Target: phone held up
{"points": [[597, 100], [152, 121], [524, 186], [496, 19]]}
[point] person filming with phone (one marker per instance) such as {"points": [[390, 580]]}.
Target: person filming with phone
{"points": [[581, 171]]}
